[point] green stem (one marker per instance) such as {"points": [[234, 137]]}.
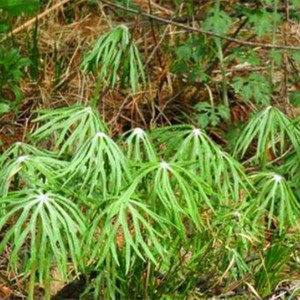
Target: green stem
{"points": [[32, 283], [222, 65], [223, 73], [274, 29], [47, 284], [265, 160], [96, 95]]}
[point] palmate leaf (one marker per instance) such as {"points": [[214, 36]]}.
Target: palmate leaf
{"points": [[25, 166], [256, 87], [109, 44], [99, 164], [116, 56], [128, 226], [209, 115], [218, 22], [168, 138], [261, 20], [50, 223], [20, 148], [212, 164], [291, 167], [271, 130], [275, 201], [173, 192], [139, 148], [69, 126], [29, 171]]}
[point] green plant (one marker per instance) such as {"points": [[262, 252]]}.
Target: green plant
{"points": [[52, 226], [117, 57], [208, 161], [163, 212], [12, 66], [218, 21], [132, 224], [121, 211], [271, 131], [139, 146], [4, 108], [253, 87], [174, 190], [69, 126], [24, 165], [101, 162], [275, 201], [261, 20], [237, 235], [209, 115], [18, 7], [295, 98], [189, 58], [291, 166], [12, 63], [26, 170], [271, 268]]}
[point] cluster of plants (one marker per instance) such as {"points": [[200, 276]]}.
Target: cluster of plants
{"points": [[155, 214], [169, 212]]}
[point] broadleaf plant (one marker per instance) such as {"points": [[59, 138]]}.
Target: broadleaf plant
{"points": [[255, 87]]}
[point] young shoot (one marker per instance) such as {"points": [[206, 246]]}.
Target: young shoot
{"points": [[139, 148]]}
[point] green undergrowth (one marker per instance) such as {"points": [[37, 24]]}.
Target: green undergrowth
{"points": [[187, 211], [160, 214]]}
